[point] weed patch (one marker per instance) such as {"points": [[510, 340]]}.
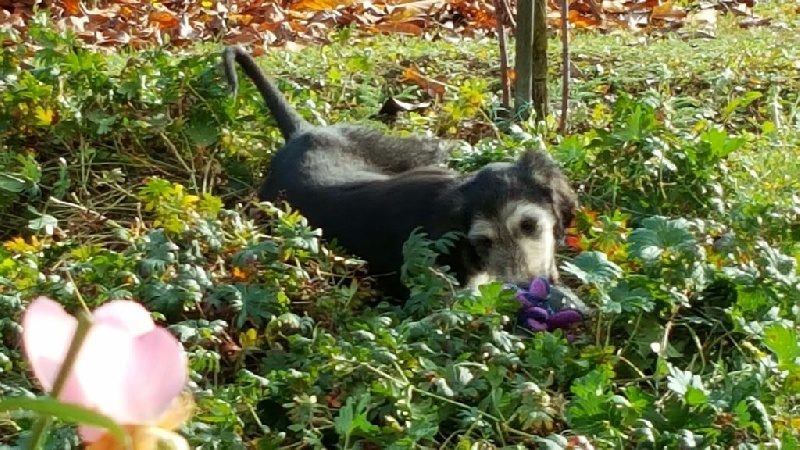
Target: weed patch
{"points": [[130, 176]]}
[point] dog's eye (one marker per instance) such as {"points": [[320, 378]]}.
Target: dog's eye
{"points": [[528, 226]]}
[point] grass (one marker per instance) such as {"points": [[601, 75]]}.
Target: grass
{"points": [[686, 156]]}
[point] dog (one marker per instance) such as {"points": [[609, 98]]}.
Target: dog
{"points": [[369, 191]]}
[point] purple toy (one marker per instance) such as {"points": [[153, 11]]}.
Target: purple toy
{"points": [[536, 312]]}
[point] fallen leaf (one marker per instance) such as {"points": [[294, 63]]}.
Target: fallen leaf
{"points": [[696, 35], [318, 5], [392, 107], [432, 87], [704, 17], [164, 19], [185, 31], [754, 22], [72, 7], [580, 20], [402, 27], [44, 116], [667, 10], [244, 19], [645, 5], [614, 7]]}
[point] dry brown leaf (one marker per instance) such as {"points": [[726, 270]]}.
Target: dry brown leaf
{"points": [[704, 17], [401, 15], [318, 5], [301, 22], [402, 28], [614, 7], [165, 20], [392, 107], [667, 10], [646, 4], [77, 24], [754, 21], [580, 20], [246, 36], [432, 87], [127, 12], [111, 37], [244, 19], [664, 8], [185, 31]]}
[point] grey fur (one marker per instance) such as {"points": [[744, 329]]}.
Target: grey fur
{"points": [[368, 191]]}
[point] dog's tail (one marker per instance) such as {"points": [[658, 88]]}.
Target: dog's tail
{"points": [[289, 121]]}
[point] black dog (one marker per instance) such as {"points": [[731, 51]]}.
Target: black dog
{"points": [[368, 191]]}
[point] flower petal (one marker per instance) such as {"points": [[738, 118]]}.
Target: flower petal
{"points": [[102, 369], [179, 413], [47, 331], [98, 436], [158, 375], [126, 315], [131, 379]]}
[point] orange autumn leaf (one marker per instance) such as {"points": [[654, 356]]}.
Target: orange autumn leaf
{"points": [[576, 18], [512, 74], [72, 7], [574, 242], [433, 87], [258, 50], [244, 19], [638, 6], [164, 19], [238, 274], [401, 27], [319, 5], [667, 10]]}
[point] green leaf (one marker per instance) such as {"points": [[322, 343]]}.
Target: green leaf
{"points": [[493, 297], [720, 144], [627, 297], [353, 417], [659, 237], [687, 385], [105, 122], [11, 183], [783, 342], [695, 396], [593, 267], [752, 299], [788, 441], [66, 412], [760, 414], [45, 222], [203, 133]]}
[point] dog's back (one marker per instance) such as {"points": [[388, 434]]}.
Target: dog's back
{"points": [[368, 191], [369, 210]]}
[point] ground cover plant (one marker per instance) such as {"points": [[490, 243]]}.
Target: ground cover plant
{"points": [[129, 176]]}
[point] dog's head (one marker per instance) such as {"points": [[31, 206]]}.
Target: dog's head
{"points": [[515, 215]]}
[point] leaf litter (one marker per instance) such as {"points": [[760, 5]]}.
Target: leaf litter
{"points": [[260, 23]]}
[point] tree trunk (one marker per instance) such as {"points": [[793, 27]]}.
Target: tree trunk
{"points": [[539, 59], [523, 58]]}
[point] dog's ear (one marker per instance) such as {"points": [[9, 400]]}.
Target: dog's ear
{"points": [[566, 202], [545, 171]]}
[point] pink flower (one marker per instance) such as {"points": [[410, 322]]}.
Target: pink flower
{"points": [[127, 368]]}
